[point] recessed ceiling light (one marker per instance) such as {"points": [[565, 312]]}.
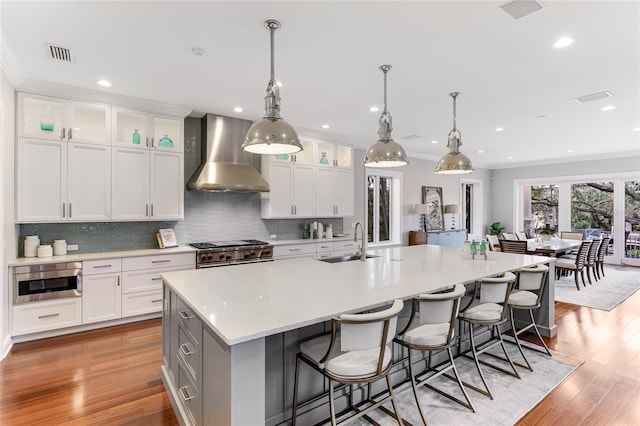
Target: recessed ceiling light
{"points": [[563, 42], [374, 109], [499, 129], [510, 158], [325, 126], [607, 108], [434, 141], [481, 151], [238, 109], [104, 83], [198, 51], [569, 150], [279, 83], [541, 116]]}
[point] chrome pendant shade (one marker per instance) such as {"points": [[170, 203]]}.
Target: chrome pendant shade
{"points": [[271, 134], [385, 152], [454, 162]]}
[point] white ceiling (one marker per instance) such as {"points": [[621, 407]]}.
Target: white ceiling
{"points": [[327, 56]]}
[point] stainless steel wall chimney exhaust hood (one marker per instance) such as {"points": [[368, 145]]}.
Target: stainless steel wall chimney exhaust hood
{"points": [[225, 167]]}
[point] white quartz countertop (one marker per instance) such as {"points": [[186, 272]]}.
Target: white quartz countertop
{"points": [[245, 302], [25, 261], [310, 241]]}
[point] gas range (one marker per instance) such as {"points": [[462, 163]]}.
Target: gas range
{"points": [[224, 253]]}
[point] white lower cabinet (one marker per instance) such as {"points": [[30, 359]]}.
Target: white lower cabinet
{"points": [[101, 292], [317, 250], [294, 250], [146, 302], [46, 315]]}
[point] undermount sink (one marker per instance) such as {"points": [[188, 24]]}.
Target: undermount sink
{"points": [[341, 259]]}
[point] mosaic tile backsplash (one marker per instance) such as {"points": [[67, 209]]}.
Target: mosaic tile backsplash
{"points": [[208, 216]]}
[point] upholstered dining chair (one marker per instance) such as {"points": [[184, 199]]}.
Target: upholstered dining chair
{"points": [[489, 307], [592, 257], [509, 236], [574, 265], [602, 252], [494, 243], [517, 247], [431, 328], [521, 236], [571, 235], [356, 351], [527, 296]]}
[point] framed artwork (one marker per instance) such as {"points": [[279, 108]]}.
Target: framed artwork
{"points": [[432, 197]]}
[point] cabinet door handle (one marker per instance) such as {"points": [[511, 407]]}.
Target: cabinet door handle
{"points": [[156, 279], [101, 266], [295, 249], [147, 141], [185, 393], [161, 261], [337, 210], [156, 301], [62, 133], [69, 210], [152, 145], [295, 210], [118, 280], [146, 209], [64, 205], [48, 316], [152, 206], [184, 348], [185, 315], [70, 133]]}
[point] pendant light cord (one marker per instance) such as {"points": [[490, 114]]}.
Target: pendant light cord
{"points": [[272, 30], [454, 95]]}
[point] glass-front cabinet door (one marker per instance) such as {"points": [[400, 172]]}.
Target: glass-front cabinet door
{"points": [[167, 133], [89, 123], [344, 156], [306, 156], [325, 155], [130, 128], [40, 117]]}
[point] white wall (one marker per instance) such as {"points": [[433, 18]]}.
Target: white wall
{"points": [[416, 174], [7, 229], [502, 184]]}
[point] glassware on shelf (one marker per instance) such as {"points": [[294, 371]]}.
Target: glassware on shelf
{"points": [[323, 159], [47, 122], [282, 156], [136, 137], [165, 142]]}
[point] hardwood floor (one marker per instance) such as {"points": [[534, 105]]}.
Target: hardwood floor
{"points": [[112, 376]]}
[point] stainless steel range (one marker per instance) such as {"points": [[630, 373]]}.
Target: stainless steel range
{"points": [[224, 253]]}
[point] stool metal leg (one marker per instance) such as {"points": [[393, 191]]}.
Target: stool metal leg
{"points": [[477, 361], [332, 408], [295, 393], [515, 336], [415, 389], [393, 401], [469, 404], [535, 327]]}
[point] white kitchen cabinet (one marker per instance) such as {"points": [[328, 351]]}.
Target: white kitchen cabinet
{"points": [[334, 155], [62, 181], [137, 129], [292, 190], [167, 186], [345, 192], [334, 192], [50, 118], [130, 179], [101, 290], [294, 251], [46, 315]]}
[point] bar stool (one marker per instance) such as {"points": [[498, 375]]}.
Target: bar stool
{"points": [[493, 295], [357, 351], [435, 332], [527, 296]]}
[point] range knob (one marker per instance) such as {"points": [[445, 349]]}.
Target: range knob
{"points": [[203, 257], [266, 251], [247, 255], [210, 257], [221, 256], [253, 253], [228, 257]]}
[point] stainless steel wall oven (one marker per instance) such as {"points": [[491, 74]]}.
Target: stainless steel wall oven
{"points": [[47, 281]]}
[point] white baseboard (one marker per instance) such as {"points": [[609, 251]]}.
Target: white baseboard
{"points": [[7, 344]]}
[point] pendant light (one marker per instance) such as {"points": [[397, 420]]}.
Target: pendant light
{"points": [[271, 134], [385, 152], [454, 162]]}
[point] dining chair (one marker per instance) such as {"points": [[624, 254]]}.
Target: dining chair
{"points": [[602, 252], [356, 351], [571, 235], [574, 265], [509, 236], [521, 236], [527, 296], [431, 328], [592, 257], [517, 247], [494, 243]]}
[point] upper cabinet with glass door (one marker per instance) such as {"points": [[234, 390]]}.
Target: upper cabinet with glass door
{"points": [[306, 156], [45, 117], [334, 155], [137, 129]]}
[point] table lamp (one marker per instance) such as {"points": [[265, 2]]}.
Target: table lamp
{"points": [[453, 209]]}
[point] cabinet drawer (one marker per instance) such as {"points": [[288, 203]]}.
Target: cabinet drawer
{"points": [[189, 353], [159, 261], [344, 245], [346, 252], [145, 280], [324, 247], [188, 319], [188, 395], [49, 315], [294, 250], [325, 255], [145, 302], [104, 266]]}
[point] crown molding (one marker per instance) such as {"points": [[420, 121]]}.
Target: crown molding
{"points": [[10, 65]]}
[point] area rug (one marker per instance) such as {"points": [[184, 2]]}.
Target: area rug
{"points": [[513, 397], [607, 293]]}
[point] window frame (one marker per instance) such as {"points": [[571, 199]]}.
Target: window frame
{"points": [[395, 205]]}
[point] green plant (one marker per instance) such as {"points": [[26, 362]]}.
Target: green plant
{"points": [[546, 230], [495, 228]]}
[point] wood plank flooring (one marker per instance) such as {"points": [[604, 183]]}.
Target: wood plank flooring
{"points": [[112, 376]]}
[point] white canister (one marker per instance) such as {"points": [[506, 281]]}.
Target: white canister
{"points": [[45, 250], [329, 231], [59, 247], [31, 244]]}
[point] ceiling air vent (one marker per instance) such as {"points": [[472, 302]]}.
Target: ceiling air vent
{"points": [[593, 97], [521, 8], [60, 53], [411, 137]]}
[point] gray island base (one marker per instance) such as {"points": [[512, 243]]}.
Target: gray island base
{"points": [[230, 335]]}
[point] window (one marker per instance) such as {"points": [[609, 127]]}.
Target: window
{"points": [[543, 208], [383, 207]]}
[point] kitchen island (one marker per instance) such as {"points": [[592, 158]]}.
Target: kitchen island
{"points": [[219, 323]]}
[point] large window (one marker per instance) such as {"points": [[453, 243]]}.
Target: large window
{"points": [[544, 208], [383, 207], [592, 208]]}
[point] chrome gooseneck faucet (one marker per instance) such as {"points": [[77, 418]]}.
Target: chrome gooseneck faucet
{"points": [[362, 248]]}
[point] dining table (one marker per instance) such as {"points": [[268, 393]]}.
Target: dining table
{"points": [[553, 247]]}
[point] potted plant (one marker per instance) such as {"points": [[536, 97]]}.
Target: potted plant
{"points": [[547, 232], [495, 228]]}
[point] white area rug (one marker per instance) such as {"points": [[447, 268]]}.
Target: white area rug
{"points": [[607, 293], [513, 397]]}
